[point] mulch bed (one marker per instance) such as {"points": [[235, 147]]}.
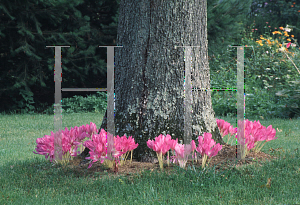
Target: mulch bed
{"points": [[225, 159]]}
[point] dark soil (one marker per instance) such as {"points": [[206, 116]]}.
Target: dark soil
{"points": [[225, 159]]}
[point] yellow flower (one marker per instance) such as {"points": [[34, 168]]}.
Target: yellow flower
{"points": [[292, 36], [288, 39], [276, 32], [269, 42], [280, 44], [262, 38], [285, 33]]}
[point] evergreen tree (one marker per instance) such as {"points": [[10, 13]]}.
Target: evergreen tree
{"points": [[225, 23], [27, 67]]}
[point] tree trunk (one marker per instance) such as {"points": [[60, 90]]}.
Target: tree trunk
{"points": [[149, 72]]}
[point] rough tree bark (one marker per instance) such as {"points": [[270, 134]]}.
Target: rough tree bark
{"points": [[149, 71]]}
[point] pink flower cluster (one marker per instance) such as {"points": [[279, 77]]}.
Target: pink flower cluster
{"points": [[225, 127], [98, 148], [163, 144], [254, 132], [69, 140], [208, 146]]}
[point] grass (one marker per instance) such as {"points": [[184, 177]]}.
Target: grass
{"points": [[27, 178]]}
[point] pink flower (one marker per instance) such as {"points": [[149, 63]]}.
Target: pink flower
{"points": [[98, 148], [119, 143], [220, 122], [123, 144], [72, 140], [215, 150], [161, 145], [91, 128], [173, 143], [225, 127], [232, 130], [68, 141], [205, 145], [255, 132], [150, 144], [270, 133], [179, 148], [193, 144], [45, 146], [61, 139], [131, 144], [183, 151]]}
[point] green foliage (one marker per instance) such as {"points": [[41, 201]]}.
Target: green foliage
{"points": [[267, 72], [291, 99], [78, 104], [224, 104], [27, 96]]}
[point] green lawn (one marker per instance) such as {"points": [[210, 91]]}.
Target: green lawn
{"points": [[27, 178]]}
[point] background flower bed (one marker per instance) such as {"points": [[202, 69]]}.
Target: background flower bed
{"points": [[267, 72]]}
